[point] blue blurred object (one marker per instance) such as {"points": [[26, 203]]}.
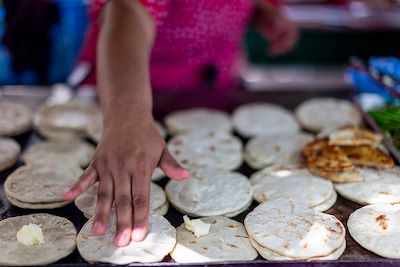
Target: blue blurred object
{"points": [[67, 38], [364, 83], [386, 66]]}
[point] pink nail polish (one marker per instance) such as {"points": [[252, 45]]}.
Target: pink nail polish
{"points": [[137, 236], [97, 225]]}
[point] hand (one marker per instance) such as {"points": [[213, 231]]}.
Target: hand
{"points": [[281, 34], [123, 164]]}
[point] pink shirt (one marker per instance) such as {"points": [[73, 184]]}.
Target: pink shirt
{"points": [[198, 42]]}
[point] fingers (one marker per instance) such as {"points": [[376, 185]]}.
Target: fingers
{"points": [[172, 168], [141, 205], [104, 202], [87, 179], [123, 205]]}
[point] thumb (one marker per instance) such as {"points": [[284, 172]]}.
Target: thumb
{"points": [[171, 167]]}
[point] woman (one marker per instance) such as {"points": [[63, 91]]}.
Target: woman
{"points": [[162, 45]]}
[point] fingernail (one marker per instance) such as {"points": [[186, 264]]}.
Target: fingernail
{"points": [[137, 236], [122, 239], [67, 191], [97, 227]]}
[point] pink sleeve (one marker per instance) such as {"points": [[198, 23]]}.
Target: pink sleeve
{"points": [[158, 9]]}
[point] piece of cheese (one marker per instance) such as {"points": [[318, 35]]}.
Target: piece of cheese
{"points": [[30, 235], [197, 226]]}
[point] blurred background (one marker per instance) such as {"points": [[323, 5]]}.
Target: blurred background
{"points": [[42, 47]]}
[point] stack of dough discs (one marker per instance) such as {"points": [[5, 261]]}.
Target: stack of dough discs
{"points": [[284, 230], [376, 228], [66, 120], [192, 120], [321, 113], [15, 119], [9, 151], [59, 237], [87, 201], [296, 184], [211, 192], [266, 150], [200, 149], [95, 130], [40, 186], [76, 152], [160, 241], [158, 174], [210, 248], [379, 187], [263, 119]]}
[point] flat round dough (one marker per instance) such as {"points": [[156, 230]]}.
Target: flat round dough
{"points": [[59, 235], [39, 183], [160, 241], [272, 256], [376, 228], [73, 116], [321, 113], [193, 120], [379, 187], [263, 151], [263, 119], [75, 152], [37, 206], [292, 230], [163, 209], [327, 204], [210, 192], [158, 174], [94, 130], [209, 248], [296, 184], [15, 119], [9, 152], [203, 149], [86, 202]]}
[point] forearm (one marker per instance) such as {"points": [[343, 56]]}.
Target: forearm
{"points": [[123, 53]]}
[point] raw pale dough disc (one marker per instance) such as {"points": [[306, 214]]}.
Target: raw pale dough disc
{"points": [[321, 113], [193, 120], [15, 119], [59, 236], [272, 256], [9, 151], [292, 230], [263, 151], [39, 183], [263, 119], [376, 228], [378, 187], [210, 192], [296, 184], [86, 202], [203, 149], [160, 241], [73, 116], [210, 248], [75, 152]]}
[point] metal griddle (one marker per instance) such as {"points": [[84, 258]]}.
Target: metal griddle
{"points": [[165, 103]]}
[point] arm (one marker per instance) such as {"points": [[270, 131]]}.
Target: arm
{"points": [[130, 147], [281, 34]]}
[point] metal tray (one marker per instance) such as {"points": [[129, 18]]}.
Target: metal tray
{"points": [[354, 254]]}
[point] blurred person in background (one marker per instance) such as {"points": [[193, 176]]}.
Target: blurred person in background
{"points": [[140, 46]]}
